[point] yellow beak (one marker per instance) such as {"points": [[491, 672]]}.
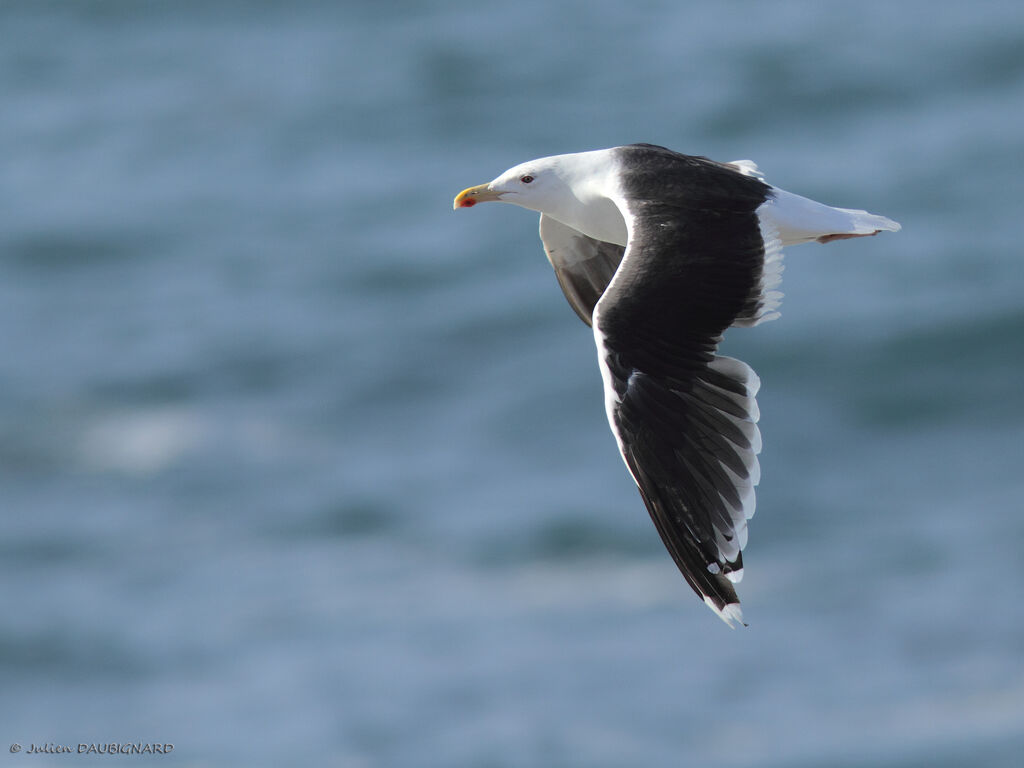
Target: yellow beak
{"points": [[481, 193]]}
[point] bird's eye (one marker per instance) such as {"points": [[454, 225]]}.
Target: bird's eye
{"points": [[526, 179]]}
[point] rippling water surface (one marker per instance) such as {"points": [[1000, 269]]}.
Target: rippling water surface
{"points": [[300, 467]]}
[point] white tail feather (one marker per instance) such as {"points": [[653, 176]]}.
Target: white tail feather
{"points": [[800, 220]]}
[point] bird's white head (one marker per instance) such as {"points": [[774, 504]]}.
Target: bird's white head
{"points": [[575, 189], [537, 184]]}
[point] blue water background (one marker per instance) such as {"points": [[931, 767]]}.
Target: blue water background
{"points": [[298, 466]]}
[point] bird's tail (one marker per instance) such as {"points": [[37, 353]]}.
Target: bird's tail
{"points": [[801, 220]]}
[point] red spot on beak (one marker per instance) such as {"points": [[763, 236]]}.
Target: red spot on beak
{"points": [[469, 202]]}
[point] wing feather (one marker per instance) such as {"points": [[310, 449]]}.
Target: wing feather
{"points": [[584, 266], [685, 418]]}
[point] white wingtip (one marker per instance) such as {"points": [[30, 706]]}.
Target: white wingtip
{"points": [[729, 614]]}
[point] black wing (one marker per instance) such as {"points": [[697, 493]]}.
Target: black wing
{"points": [[686, 418]]}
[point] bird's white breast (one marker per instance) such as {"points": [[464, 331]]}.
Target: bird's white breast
{"points": [[591, 209]]}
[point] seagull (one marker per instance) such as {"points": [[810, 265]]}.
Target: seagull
{"points": [[661, 252]]}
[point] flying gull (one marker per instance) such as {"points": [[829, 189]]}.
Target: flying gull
{"points": [[660, 252]]}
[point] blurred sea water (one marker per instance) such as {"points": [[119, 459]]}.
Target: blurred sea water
{"points": [[298, 466]]}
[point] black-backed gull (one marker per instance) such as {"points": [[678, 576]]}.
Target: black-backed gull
{"points": [[660, 252]]}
